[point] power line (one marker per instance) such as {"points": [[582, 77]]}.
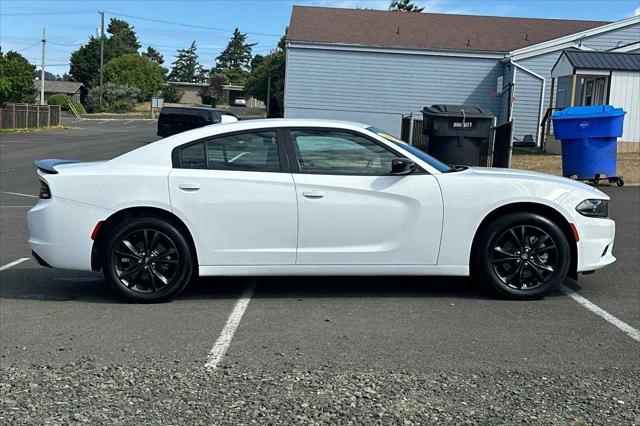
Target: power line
{"points": [[48, 13], [28, 47], [65, 44], [188, 25]]}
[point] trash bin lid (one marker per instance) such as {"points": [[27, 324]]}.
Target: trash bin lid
{"points": [[456, 111], [588, 111]]}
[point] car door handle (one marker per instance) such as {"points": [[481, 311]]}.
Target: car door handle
{"points": [[189, 186], [313, 194]]}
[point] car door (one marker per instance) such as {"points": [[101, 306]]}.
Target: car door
{"points": [[237, 196], [352, 210]]}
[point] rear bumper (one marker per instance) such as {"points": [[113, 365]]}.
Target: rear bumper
{"points": [[60, 232], [595, 248]]}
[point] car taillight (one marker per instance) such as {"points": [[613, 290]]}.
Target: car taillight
{"points": [[45, 193]]}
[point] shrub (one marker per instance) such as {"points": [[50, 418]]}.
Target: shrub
{"points": [[59, 99], [115, 98], [137, 71], [78, 106], [172, 94], [63, 100], [212, 93]]}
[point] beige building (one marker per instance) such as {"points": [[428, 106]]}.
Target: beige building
{"points": [[229, 94]]}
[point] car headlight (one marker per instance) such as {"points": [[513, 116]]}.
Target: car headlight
{"points": [[594, 208]]}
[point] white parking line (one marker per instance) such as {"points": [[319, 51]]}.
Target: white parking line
{"points": [[14, 263], [127, 122], [19, 194], [630, 331], [226, 335]]}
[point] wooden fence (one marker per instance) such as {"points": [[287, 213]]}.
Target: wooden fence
{"points": [[25, 116]]}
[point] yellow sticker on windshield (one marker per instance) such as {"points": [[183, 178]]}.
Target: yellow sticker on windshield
{"points": [[389, 137]]}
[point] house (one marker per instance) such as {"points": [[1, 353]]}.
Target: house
{"points": [[374, 66], [190, 91], [600, 78], [229, 94], [53, 87]]}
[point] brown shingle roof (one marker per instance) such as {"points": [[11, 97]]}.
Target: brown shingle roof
{"points": [[53, 86], [426, 30]]}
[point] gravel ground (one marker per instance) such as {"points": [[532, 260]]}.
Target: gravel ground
{"points": [[87, 392]]}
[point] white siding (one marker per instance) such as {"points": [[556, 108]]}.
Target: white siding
{"points": [[377, 88], [526, 108], [625, 94]]}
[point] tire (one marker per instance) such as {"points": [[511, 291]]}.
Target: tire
{"points": [[147, 260], [517, 267]]}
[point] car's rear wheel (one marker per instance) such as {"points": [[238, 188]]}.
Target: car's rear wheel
{"points": [[522, 256], [147, 260]]}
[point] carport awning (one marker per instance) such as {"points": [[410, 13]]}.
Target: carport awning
{"points": [[573, 61]]}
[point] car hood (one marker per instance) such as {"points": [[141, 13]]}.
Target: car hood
{"points": [[527, 175]]}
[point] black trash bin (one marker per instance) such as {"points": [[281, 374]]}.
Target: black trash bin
{"points": [[458, 134]]}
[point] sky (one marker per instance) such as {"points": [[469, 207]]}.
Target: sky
{"points": [[69, 23]]}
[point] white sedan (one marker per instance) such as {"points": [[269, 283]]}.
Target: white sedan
{"points": [[311, 197]]}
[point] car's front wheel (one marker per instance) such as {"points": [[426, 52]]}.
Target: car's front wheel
{"points": [[147, 260], [522, 256]]}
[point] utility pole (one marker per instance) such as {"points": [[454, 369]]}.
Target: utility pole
{"points": [[44, 40], [101, 57], [268, 96]]}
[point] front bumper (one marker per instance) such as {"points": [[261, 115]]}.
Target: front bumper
{"points": [[595, 247]]}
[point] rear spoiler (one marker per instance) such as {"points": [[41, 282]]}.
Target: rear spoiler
{"points": [[48, 165]]}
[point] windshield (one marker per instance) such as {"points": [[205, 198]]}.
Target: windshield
{"points": [[433, 162]]}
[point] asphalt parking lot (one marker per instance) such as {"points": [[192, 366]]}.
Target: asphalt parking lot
{"points": [[345, 350]]}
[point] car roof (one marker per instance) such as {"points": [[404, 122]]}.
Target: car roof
{"points": [[159, 151], [198, 108], [267, 123]]}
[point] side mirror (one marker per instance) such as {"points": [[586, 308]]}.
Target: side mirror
{"points": [[402, 166]]}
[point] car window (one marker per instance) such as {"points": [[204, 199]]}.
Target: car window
{"points": [[338, 152], [254, 151], [432, 161], [245, 151], [193, 157]]}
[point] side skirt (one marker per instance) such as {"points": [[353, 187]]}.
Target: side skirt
{"points": [[324, 270]]}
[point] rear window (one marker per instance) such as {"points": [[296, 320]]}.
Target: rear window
{"points": [[251, 151]]}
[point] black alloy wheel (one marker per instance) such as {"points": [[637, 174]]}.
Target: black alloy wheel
{"points": [[148, 260], [521, 256], [524, 257]]}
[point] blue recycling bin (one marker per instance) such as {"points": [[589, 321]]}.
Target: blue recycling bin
{"points": [[588, 136]]}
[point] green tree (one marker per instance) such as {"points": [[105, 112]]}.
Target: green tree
{"points": [[404, 6], [186, 67], [16, 78], [135, 70], [85, 62], [49, 76], [237, 54], [172, 94], [273, 65], [256, 61], [123, 38], [234, 75], [212, 94], [153, 55]]}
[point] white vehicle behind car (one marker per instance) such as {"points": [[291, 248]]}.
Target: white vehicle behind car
{"points": [[311, 197]]}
